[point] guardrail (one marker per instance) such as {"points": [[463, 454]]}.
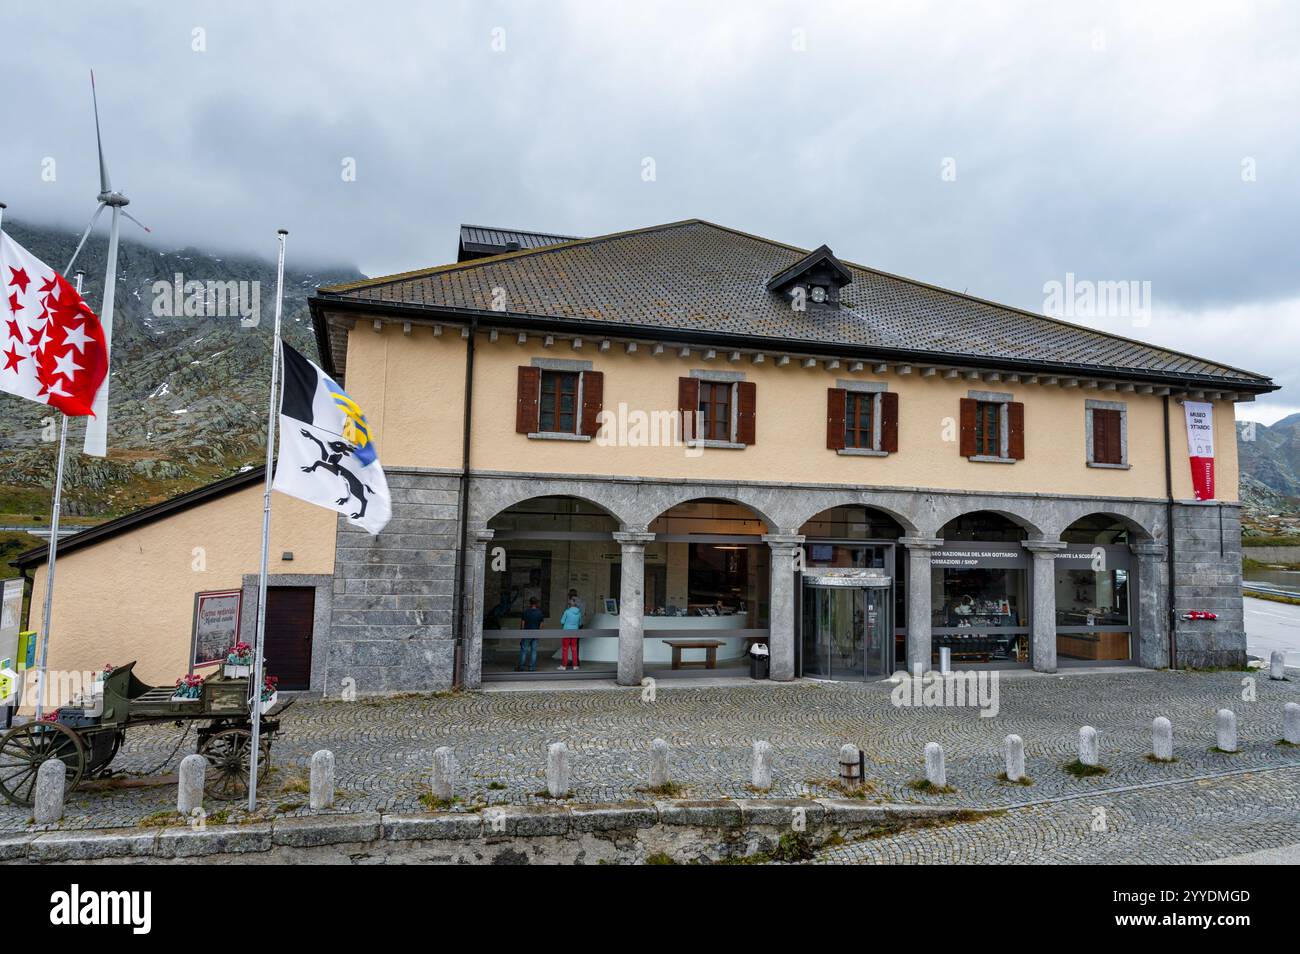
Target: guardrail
{"points": [[1270, 588]]}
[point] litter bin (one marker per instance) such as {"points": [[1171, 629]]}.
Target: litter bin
{"points": [[759, 661]]}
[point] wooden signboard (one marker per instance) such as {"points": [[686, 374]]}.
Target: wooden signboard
{"points": [[216, 626]]}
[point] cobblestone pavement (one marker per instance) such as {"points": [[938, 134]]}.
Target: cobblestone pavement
{"points": [[1182, 823], [384, 747]]}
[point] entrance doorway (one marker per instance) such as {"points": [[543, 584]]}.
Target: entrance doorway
{"points": [[847, 631], [290, 611]]}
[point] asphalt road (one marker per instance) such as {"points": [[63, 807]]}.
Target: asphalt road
{"points": [[1271, 626]]}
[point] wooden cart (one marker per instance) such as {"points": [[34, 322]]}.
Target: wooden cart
{"points": [[87, 737]]}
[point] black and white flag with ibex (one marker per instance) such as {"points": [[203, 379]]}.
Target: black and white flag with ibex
{"points": [[327, 450]]}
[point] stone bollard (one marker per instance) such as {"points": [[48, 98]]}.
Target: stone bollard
{"points": [[1277, 664], [443, 779], [850, 765], [1225, 727], [51, 778], [659, 765], [761, 775], [1291, 723], [1162, 739], [557, 769], [1013, 751], [322, 780], [189, 791], [934, 770], [1088, 749]]}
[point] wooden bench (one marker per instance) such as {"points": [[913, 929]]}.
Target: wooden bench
{"points": [[710, 647]]}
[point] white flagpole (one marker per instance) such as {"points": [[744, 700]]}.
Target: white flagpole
{"points": [[53, 553], [255, 690]]}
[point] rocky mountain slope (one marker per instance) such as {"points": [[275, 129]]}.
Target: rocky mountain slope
{"points": [[188, 397], [1270, 476]]}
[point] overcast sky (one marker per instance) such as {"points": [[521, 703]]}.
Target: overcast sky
{"points": [[983, 147]]}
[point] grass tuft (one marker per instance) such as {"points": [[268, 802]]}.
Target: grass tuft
{"points": [[929, 788], [1079, 770]]}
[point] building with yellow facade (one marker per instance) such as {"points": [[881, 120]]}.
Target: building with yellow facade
{"points": [[708, 441]]}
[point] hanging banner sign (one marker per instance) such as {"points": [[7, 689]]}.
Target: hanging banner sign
{"points": [[1200, 447]]}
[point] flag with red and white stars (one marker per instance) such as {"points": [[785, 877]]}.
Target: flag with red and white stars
{"points": [[51, 344]]}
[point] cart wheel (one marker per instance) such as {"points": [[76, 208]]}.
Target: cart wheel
{"points": [[26, 747], [228, 753]]}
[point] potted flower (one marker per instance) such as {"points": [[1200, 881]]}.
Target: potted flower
{"points": [[269, 694], [188, 688], [239, 661]]}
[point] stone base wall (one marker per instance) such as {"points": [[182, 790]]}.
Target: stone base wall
{"points": [[671, 832], [391, 629], [1207, 576]]}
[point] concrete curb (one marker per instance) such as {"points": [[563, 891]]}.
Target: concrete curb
{"points": [[700, 829]]}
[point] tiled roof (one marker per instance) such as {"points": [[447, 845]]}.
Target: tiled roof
{"points": [[699, 277]]}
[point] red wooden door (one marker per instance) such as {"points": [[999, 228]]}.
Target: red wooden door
{"points": [[289, 614]]}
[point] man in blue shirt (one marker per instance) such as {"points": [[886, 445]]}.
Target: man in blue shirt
{"points": [[532, 619]]}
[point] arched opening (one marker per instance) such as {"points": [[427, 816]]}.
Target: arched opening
{"points": [[979, 591], [852, 594], [547, 572], [1094, 577], [984, 525], [707, 580]]}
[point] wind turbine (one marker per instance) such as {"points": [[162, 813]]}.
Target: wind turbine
{"points": [[97, 426]]}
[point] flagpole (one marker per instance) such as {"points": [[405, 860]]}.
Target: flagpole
{"points": [[53, 552], [255, 690]]}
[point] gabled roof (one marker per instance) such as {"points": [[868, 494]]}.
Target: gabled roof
{"points": [[820, 256], [480, 241], [707, 282]]}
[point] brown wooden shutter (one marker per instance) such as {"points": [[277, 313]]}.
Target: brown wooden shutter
{"points": [[593, 399], [969, 407], [1016, 430], [1099, 424], [1106, 444], [746, 406], [889, 422], [836, 398], [530, 384], [688, 403], [1114, 446]]}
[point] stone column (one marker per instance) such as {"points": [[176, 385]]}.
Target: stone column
{"points": [[631, 606], [475, 565], [781, 603], [1042, 618], [918, 600], [1149, 611]]}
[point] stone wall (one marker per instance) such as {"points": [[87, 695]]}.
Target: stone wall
{"points": [[391, 628], [393, 594], [619, 833], [1207, 576]]}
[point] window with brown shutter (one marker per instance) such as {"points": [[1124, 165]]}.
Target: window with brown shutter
{"points": [[1016, 430], [746, 412], [593, 400], [988, 429], [860, 420], [557, 411], [836, 399], [715, 411], [526, 401], [889, 422], [1107, 436]]}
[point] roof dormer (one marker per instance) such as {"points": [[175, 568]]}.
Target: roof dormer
{"points": [[816, 279]]}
